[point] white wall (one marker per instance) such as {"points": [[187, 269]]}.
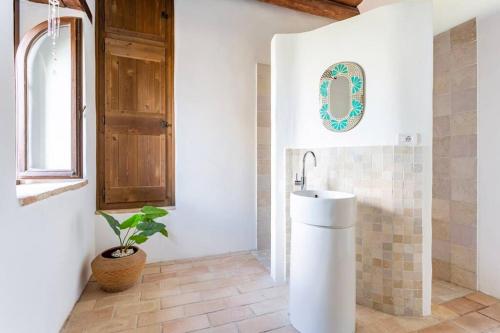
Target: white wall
{"points": [[217, 46], [488, 58], [47, 246], [398, 97]]}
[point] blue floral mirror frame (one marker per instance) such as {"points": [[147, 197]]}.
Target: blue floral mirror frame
{"points": [[354, 73]]}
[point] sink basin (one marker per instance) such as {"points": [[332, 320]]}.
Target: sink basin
{"points": [[329, 209], [323, 263]]}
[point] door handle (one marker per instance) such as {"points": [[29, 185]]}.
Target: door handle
{"points": [[165, 124]]}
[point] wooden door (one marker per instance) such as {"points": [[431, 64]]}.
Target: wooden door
{"points": [[135, 141], [135, 123], [137, 18]]}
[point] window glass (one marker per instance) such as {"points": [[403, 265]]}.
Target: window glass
{"points": [[49, 104]]}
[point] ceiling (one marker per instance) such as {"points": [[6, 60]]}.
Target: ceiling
{"points": [[447, 13]]}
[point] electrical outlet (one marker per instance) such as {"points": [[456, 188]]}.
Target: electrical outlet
{"points": [[409, 139]]}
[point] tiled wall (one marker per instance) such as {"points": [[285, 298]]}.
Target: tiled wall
{"points": [[455, 156], [388, 184], [264, 161]]}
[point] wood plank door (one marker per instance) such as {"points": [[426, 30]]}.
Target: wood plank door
{"points": [[145, 19], [135, 125]]}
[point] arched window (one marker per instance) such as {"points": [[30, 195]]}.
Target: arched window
{"points": [[49, 102]]}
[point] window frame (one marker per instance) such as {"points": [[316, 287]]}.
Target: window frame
{"points": [[27, 42]]}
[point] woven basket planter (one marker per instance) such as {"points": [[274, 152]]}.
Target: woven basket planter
{"points": [[118, 274]]}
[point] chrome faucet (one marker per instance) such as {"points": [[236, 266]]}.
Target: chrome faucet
{"points": [[302, 182]]}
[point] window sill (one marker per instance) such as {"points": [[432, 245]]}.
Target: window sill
{"points": [[130, 210], [28, 194]]}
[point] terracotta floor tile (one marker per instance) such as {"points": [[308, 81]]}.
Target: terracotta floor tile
{"points": [[208, 295], [234, 293], [286, 329], [443, 313], [492, 312], [229, 328], [186, 324], [244, 299], [182, 299], [158, 277], [463, 306], [175, 267], [193, 271], [204, 307], [447, 327], [84, 319], [260, 283], [117, 299], [483, 299], [151, 270], [476, 322], [146, 329], [230, 315], [124, 310], [160, 316], [84, 306], [263, 323], [113, 325], [269, 306], [160, 293], [206, 285]]}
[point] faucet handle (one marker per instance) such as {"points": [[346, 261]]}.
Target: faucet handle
{"points": [[298, 182]]}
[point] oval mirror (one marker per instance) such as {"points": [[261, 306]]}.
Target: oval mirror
{"points": [[342, 92]]}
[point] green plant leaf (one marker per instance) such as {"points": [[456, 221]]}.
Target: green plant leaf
{"points": [[164, 232], [153, 212], [139, 239], [132, 221], [113, 223], [149, 228]]}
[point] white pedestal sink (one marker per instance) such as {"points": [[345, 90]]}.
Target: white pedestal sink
{"points": [[323, 267]]}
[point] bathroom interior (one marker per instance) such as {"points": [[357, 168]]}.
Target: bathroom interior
{"points": [[224, 166]]}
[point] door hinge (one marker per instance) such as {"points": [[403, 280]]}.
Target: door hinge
{"points": [[103, 194], [103, 46], [164, 15], [103, 120]]}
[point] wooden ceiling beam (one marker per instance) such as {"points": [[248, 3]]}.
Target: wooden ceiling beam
{"points": [[73, 4], [326, 8]]}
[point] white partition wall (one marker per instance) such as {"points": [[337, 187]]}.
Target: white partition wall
{"points": [[393, 44]]}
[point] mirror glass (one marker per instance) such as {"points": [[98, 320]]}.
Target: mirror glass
{"points": [[49, 104], [340, 97]]}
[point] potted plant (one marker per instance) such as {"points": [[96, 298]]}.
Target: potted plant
{"points": [[120, 267]]}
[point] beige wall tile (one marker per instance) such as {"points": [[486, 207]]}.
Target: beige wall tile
{"points": [[464, 101], [464, 79], [463, 258], [463, 277], [463, 54], [464, 123], [464, 190], [463, 168], [442, 105], [464, 33], [441, 126], [463, 146], [463, 212]]}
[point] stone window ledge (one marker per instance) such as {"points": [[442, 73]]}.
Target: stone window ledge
{"points": [[28, 194]]}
